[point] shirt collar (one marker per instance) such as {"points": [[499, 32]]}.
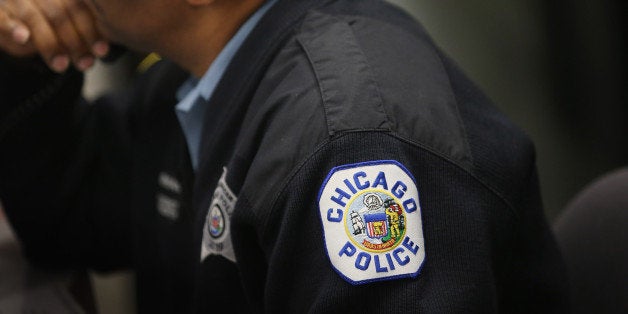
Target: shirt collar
{"points": [[194, 88], [194, 94]]}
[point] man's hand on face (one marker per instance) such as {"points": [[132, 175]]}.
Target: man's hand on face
{"points": [[60, 31]]}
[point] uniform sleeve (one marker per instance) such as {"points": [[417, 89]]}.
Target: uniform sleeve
{"points": [[372, 222], [64, 169]]}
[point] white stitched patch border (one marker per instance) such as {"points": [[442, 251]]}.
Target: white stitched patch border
{"points": [[371, 218]]}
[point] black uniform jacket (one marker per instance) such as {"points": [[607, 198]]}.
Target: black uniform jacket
{"points": [[317, 85]]}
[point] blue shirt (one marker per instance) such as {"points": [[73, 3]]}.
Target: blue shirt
{"points": [[194, 94]]}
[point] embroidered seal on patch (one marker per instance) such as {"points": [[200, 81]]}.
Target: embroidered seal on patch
{"points": [[216, 222], [216, 233], [372, 223]]}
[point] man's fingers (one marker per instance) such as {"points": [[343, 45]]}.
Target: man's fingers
{"points": [[61, 31], [11, 28], [62, 24], [20, 33], [14, 36], [43, 36], [85, 24]]}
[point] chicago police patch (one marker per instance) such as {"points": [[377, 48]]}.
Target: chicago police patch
{"points": [[372, 221]]}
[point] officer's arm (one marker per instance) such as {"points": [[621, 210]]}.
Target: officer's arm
{"points": [[462, 248]]}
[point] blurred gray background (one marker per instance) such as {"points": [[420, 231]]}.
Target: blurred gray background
{"points": [[557, 68]]}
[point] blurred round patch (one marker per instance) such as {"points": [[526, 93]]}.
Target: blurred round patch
{"points": [[216, 223]]}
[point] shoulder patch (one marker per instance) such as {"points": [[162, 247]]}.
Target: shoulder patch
{"points": [[372, 223]]}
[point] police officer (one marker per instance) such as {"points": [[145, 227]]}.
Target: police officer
{"points": [[234, 174]]}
